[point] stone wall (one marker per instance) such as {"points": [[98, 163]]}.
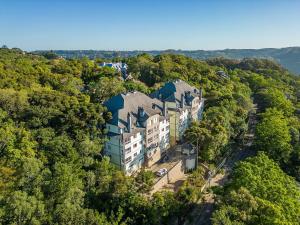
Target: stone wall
{"points": [[159, 184], [176, 172]]}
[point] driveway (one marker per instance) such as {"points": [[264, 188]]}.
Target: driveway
{"points": [[174, 156]]}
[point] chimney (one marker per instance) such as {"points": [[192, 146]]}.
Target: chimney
{"points": [[129, 123], [164, 109], [200, 93], [187, 97], [153, 106], [182, 100], [141, 112]]}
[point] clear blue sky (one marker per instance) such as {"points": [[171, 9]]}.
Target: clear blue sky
{"points": [[149, 24]]}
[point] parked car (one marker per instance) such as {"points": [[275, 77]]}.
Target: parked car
{"points": [[161, 172]]}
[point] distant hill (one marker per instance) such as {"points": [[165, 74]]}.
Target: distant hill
{"points": [[287, 57]]}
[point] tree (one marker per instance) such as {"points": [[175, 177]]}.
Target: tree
{"points": [[212, 133], [197, 133], [50, 55], [20, 208], [259, 193], [274, 98], [104, 89], [240, 207], [273, 136], [145, 180]]}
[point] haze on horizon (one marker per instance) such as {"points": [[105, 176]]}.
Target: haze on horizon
{"points": [[149, 25]]}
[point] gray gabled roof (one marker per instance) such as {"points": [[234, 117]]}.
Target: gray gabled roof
{"points": [[172, 91], [122, 104]]}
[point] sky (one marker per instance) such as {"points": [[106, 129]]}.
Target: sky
{"points": [[149, 24]]}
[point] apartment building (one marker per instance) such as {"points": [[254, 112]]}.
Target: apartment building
{"points": [[120, 67], [184, 104], [138, 132]]}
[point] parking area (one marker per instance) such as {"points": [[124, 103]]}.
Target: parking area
{"points": [[173, 157]]}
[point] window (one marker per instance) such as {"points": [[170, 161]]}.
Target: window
{"points": [[156, 128], [128, 159], [150, 140], [156, 136], [150, 131], [127, 150], [135, 145], [127, 140], [135, 154], [141, 142], [163, 129]]}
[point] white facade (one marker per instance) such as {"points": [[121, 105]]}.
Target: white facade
{"points": [[184, 122], [134, 153], [142, 129], [200, 109], [126, 153], [164, 134]]}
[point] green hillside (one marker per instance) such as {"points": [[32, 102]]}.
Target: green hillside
{"points": [[287, 57], [52, 170]]}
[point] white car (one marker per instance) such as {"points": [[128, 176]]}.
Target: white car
{"points": [[161, 172]]}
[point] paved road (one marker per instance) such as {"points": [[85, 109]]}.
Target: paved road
{"points": [[201, 215]]}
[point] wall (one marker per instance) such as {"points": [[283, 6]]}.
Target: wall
{"points": [[112, 128], [173, 128], [153, 126], [153, 156], [164, 134], [200, 110], [136, 152], [159, 184], [113, 149], [176, 172], [195, 108], [183, 123]]}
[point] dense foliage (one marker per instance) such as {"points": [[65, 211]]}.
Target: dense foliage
{"points": [[51, 138], [52, 133], [259, 193], [288, 57]]}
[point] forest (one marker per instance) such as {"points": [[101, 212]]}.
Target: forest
{"points": [[52, 132], [287, 57]]}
